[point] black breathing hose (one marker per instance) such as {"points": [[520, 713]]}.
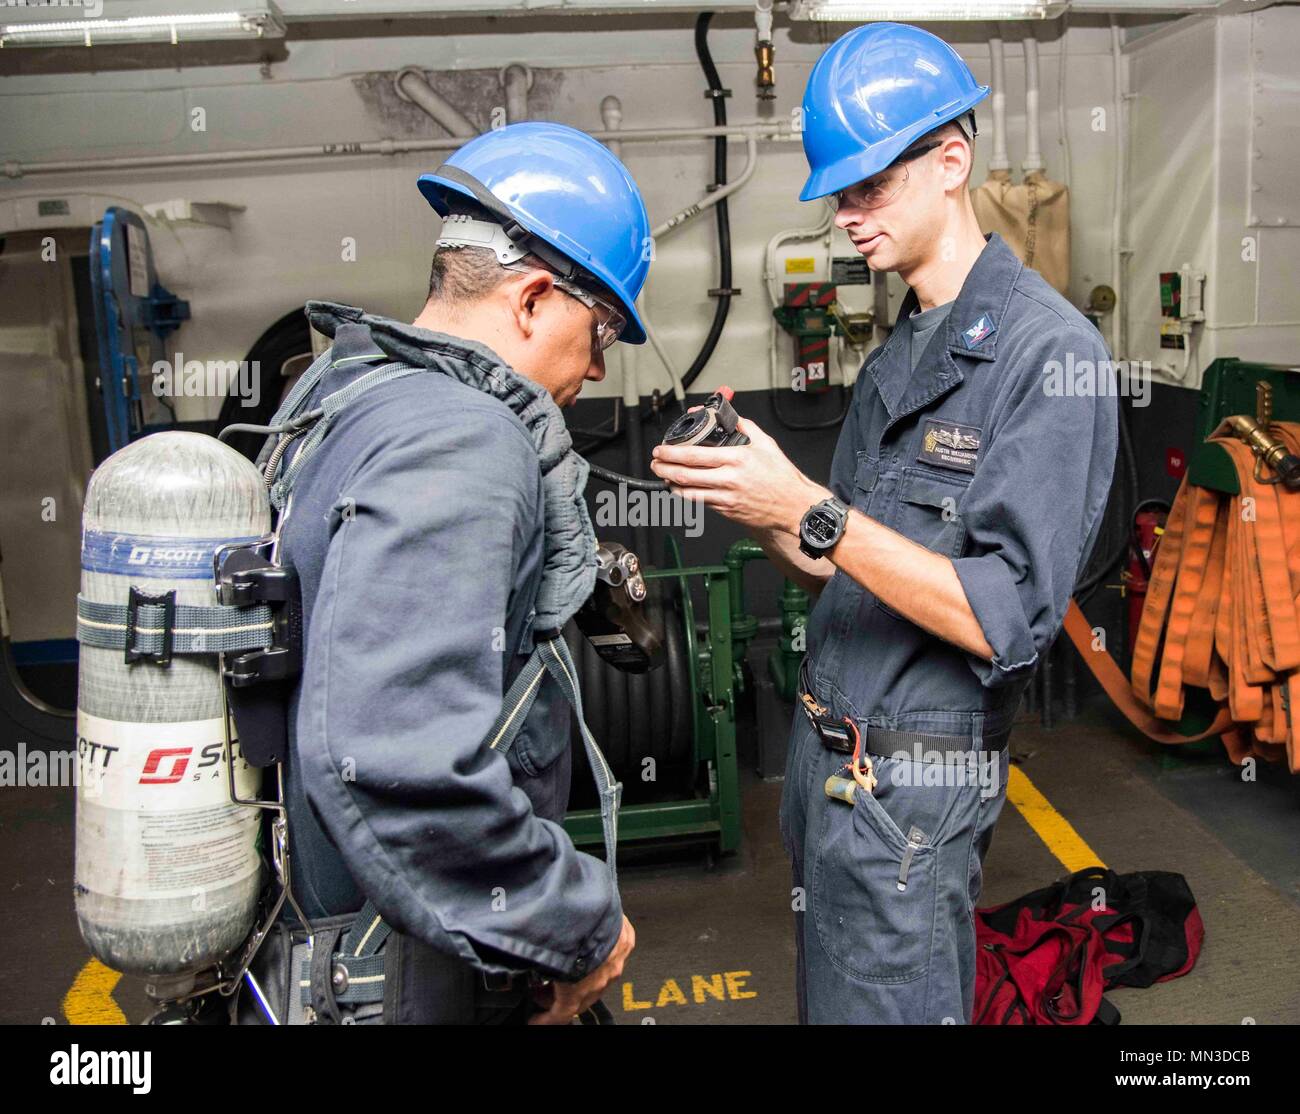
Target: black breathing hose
{"points": [[631, 481]]}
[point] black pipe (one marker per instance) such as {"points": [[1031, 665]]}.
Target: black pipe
{"points": [[723, 304]]}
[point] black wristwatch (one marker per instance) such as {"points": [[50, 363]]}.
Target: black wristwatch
{"points": [[822, 526]]}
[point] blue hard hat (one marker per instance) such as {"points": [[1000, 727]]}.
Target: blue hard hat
{"points": [[873, 93], [563, 196]]}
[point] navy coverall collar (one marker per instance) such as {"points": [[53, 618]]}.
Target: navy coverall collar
{"points": [[971, 333], [570, 573]]}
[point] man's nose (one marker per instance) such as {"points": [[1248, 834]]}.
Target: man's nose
{"points": [[846, 216], [596, 372]]}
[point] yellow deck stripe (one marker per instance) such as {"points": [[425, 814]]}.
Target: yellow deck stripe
{"points": [[89, 1000], [1050, 826]]}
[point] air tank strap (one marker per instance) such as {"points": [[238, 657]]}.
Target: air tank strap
{"points": [[154, 627], [552, 656], [330, 407]]}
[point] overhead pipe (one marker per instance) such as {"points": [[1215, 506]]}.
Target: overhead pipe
{"points": [[517, 79], [998, 160], [15, 169], [764, 51], [611, 115], [1033, 144], [411, 85]]}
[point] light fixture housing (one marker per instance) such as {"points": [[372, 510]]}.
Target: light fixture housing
{"points": [[260, 20], [920, 11]]}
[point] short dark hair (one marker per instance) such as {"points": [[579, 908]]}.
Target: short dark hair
{"points": [[460, 275], [463, 274]]}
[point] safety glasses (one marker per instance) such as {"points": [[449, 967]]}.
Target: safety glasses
{"points": [[880, 188], [609, 320]]}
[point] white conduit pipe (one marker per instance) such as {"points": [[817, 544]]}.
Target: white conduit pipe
{"points": [[1033, 144], [770, 277], [1117, 224], [611, 115], [678, 392], [998, 160], [517, 80], [15, 169], [709, 200], [785, 237], [1062, 122], [411, 85], [676, 221]]}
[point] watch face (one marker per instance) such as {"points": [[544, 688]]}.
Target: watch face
{"points": [[821, 528]]}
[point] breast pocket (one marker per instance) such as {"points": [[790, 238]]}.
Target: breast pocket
{"points": [[927, 510], [864, 482]]}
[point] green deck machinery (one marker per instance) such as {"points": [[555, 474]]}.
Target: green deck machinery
{"points": [[671, 735]]}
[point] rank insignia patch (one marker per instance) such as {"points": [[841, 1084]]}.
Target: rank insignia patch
{"points": [[950, 444], [982, 328]]}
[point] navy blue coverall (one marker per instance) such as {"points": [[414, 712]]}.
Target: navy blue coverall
{"points": [[417, 534], [984, 456]]}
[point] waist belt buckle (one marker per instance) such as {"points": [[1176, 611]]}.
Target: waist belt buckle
{"points": [[498, 981], [134, 600]]}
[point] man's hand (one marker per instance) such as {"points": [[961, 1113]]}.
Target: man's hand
{"points": [[755, 485], [569, 999]]}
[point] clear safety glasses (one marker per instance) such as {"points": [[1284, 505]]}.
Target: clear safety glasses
{"points": [[880, 188], [609, 320]]}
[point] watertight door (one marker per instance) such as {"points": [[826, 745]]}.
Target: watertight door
{"points": [[134, 314]]}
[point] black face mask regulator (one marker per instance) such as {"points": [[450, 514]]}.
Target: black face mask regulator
{"points": [[614, 619], [712, 425]]}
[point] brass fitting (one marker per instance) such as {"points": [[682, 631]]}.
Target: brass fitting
{"points": [[765, 52], [1269, 451]]}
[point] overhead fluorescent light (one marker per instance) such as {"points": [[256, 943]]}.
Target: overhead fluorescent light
{"points": [[262, 22], [863, 11]]}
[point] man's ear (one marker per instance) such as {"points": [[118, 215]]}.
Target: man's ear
{"points": [[958, 162], [526, 295]]}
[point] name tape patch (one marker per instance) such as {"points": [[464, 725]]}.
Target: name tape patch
{"points": [[950, 444]]}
